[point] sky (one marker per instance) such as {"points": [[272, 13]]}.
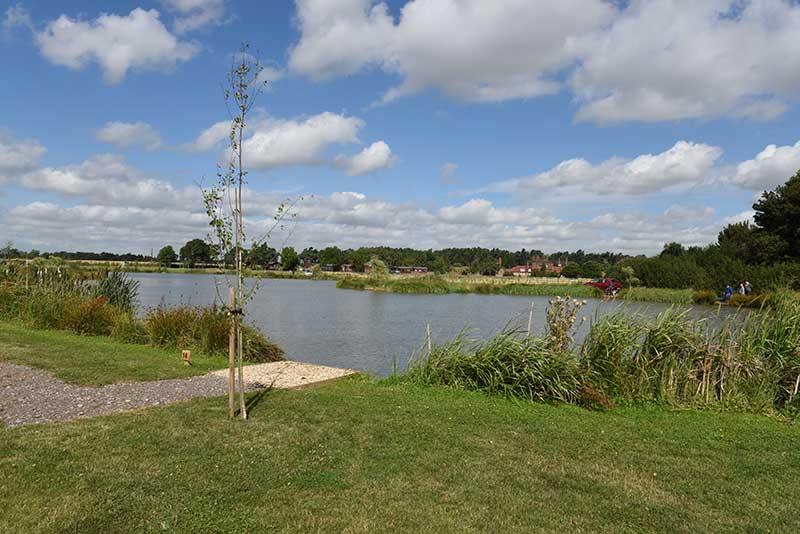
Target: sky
{"points": [[538, 124]]}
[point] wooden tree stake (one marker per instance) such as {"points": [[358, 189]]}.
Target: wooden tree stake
{"points": [[231, 357]]}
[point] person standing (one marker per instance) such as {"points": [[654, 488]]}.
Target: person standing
{"points": [[747, 288], [741, 289]]}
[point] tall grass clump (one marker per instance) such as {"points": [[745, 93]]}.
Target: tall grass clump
{"points": [[118, 289], [745, 361], [657, 294], [507, 365], [205, 330]]}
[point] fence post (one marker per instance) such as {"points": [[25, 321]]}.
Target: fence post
{"points": [[530, 319], [429, 339]]}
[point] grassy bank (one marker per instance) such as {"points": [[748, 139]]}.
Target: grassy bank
{"points": [[361, 456], [433, 284], [93, 360], [654, 294]]}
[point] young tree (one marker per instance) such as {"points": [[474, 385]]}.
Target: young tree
{"points": [[223, 203], [167, 256]]}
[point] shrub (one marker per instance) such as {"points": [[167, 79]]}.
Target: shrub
{"points": [[257, 348], [128, 330], [704, 297], [206, 330], [94, 317]]}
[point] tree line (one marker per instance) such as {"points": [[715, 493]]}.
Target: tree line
{"points": [[765, 252]]}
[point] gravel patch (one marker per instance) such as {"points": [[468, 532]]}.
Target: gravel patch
{"points": [[34, 396]]}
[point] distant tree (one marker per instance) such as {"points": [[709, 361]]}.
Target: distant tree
{"points": [[571, 270], [310, 255], [591, 269], [358, 258], [673, 249], [196, 251], [167, 256], [331, 256], [778, 213], [440, 265], [33, 253], [289, 259], [261, 255]]}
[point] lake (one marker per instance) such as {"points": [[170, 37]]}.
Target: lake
{"points": [[370, 331]]}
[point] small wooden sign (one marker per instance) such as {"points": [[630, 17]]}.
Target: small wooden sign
{"points": [[187, 357]]}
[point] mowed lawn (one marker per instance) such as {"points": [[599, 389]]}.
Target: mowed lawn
{"points": [[96, 360], [365, 456]]}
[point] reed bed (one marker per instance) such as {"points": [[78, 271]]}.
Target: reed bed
{"points": [[749, 363]]}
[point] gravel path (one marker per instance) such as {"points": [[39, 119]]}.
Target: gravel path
{"points": [[34, 396]]}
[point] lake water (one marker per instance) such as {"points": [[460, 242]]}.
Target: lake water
{"points": [[371, 331]]}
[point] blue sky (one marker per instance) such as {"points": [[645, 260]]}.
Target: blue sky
{"points": [[427, 123]]}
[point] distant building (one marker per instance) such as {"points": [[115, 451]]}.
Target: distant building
{"points": [[537, 265], [408, 270]]}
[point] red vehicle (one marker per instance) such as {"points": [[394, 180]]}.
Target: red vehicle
{"points": [[606, 285]]}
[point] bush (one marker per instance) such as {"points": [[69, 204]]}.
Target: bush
{"points": [[94, 317], [128, 330], [259, 349], [205, 330], [704, 297]]}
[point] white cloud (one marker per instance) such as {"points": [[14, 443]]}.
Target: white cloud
{"points": [[684, 163], [16, 16], [211, 137], [298, 142], [128, 134], [137, 41], [107, 179], [678, 59], [472, 50], [196, 14], [643, 60], [18, 157], [744, 216], [447, 173], [771, 167], [373, 158]]}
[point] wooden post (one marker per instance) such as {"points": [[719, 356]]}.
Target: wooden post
{"points": [[530, 320], [429, 339], [231, 356]]}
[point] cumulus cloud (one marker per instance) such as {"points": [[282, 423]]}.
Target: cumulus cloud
{"points": [[770, 168], [18, 157], [298, 142], [106, 179], [196, 14], [211, 137], [137, 41], [684, 163], [494, 51], [678, 59], [643, 60], [128, 134], [373, 158]]}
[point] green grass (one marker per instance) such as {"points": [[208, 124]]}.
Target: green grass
{"points": [[361, 456], [434, 284], [95, 361]]}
